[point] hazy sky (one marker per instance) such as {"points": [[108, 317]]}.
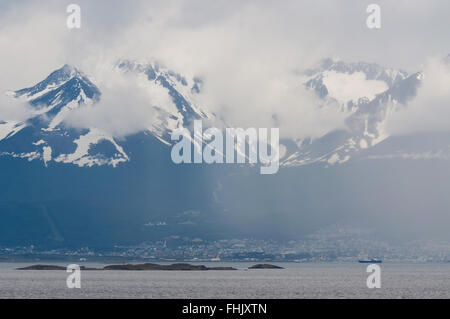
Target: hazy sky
{"points": [[411, 31]]}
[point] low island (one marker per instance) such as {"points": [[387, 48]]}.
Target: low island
{"points": [[146, 266], [265, 266]]}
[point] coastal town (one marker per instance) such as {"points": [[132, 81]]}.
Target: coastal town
{"points": [[327, 245]]}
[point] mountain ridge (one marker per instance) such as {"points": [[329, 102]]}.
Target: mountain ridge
{"points": [[68, 88]]}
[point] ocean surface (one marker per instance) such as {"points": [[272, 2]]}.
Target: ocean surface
{"points": [[306, 280]]}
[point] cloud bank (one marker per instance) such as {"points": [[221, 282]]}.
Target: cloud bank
{"points": [[247, 53], [429, 111]]}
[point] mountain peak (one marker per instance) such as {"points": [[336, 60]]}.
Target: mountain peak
{"points": [[65, 77], [63, 74], [69, 70]]}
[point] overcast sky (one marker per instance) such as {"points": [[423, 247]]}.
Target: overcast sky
{"points": [[246, 50], [411, 29]]}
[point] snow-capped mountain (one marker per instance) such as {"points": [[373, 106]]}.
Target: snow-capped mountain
{"points": [[45, 135], [349, 82], [182, 91], [369, 93]]}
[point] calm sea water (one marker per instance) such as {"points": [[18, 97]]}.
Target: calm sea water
{"points": [[323, 280]]}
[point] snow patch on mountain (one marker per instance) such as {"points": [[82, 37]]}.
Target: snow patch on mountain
{"points": [[351, 87], [47, 154], [81, 156], [9, 129]]}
